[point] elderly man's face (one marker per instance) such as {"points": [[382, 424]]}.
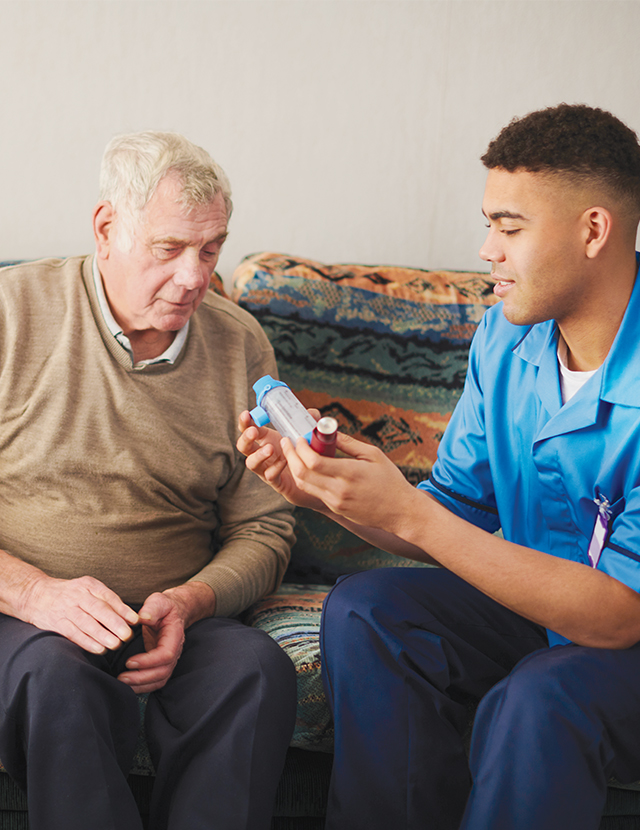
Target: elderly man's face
{"points": [[157, 285]]}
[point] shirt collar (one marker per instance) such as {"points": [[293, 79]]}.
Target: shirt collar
{"points": [[622, 366], [170, 355]]}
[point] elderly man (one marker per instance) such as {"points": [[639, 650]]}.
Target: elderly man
{"points": [[131, 532]]}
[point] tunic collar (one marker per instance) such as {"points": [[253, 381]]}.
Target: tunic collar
{"points": [[617, 374]]}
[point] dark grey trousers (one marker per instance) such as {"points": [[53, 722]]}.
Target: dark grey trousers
{"points": [[217, 732]]}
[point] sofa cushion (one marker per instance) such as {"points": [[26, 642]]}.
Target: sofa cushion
{"points": [[382, 349], [292, 617]]}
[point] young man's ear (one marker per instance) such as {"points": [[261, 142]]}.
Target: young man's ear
{"points": [[597, 224], [103, 228]]}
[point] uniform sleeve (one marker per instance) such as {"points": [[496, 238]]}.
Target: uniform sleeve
{"points": [[620, 557], [461, 477]]}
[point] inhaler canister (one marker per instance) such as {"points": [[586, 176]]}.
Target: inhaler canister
{"points": [[277, 404], [324, 436]]}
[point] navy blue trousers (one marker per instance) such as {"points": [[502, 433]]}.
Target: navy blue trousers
{"points": [[218, 731], [408, 652]]}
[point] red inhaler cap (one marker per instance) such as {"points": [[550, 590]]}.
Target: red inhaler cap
{"points": [[323, 437]]}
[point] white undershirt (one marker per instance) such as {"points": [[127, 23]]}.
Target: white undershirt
{"points": [[570, 381]]}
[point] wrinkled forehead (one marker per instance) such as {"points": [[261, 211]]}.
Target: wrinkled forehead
{"points": [[167, 208]]}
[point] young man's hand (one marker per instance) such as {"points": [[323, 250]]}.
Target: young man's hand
{"points": [[266, 459], [364, 487]]}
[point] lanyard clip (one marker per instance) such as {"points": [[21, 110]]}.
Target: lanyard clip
{"points": [[604, 507]]}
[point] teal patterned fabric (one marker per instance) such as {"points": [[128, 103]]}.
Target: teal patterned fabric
{"points": [[383, 350], [292, 617]]}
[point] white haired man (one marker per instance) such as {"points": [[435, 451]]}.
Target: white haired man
{"points": [[131, 533]]}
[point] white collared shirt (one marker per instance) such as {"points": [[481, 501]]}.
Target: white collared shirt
{"points": [[170, 355]]}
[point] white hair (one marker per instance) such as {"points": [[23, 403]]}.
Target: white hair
{"points": [[133, 165]]}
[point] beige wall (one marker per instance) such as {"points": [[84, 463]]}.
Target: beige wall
{"points": [[350, 130]]}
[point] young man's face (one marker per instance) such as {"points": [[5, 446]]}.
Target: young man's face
{"points": [[162, 279], [535, 246]]}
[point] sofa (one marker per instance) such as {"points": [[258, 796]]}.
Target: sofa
{"points": [[383, 350]]}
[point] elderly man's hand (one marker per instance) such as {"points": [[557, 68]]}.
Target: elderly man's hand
{"points": [[83, 610], [165, 617]]}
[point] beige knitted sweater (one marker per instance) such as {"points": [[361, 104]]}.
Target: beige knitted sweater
{"points": [[129, 474]]}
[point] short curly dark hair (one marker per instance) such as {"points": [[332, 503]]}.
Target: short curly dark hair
{"points": [[572, 139]]}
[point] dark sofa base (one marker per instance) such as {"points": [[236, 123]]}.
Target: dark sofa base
{"points": [[301, 798]]}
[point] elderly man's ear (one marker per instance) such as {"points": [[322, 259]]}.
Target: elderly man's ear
{"points": [[103, 228]]}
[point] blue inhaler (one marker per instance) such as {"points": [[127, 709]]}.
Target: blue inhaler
{"points": [[277, 404]]}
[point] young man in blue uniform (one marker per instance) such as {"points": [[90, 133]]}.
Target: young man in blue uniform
{"points": [[540, 627]]}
